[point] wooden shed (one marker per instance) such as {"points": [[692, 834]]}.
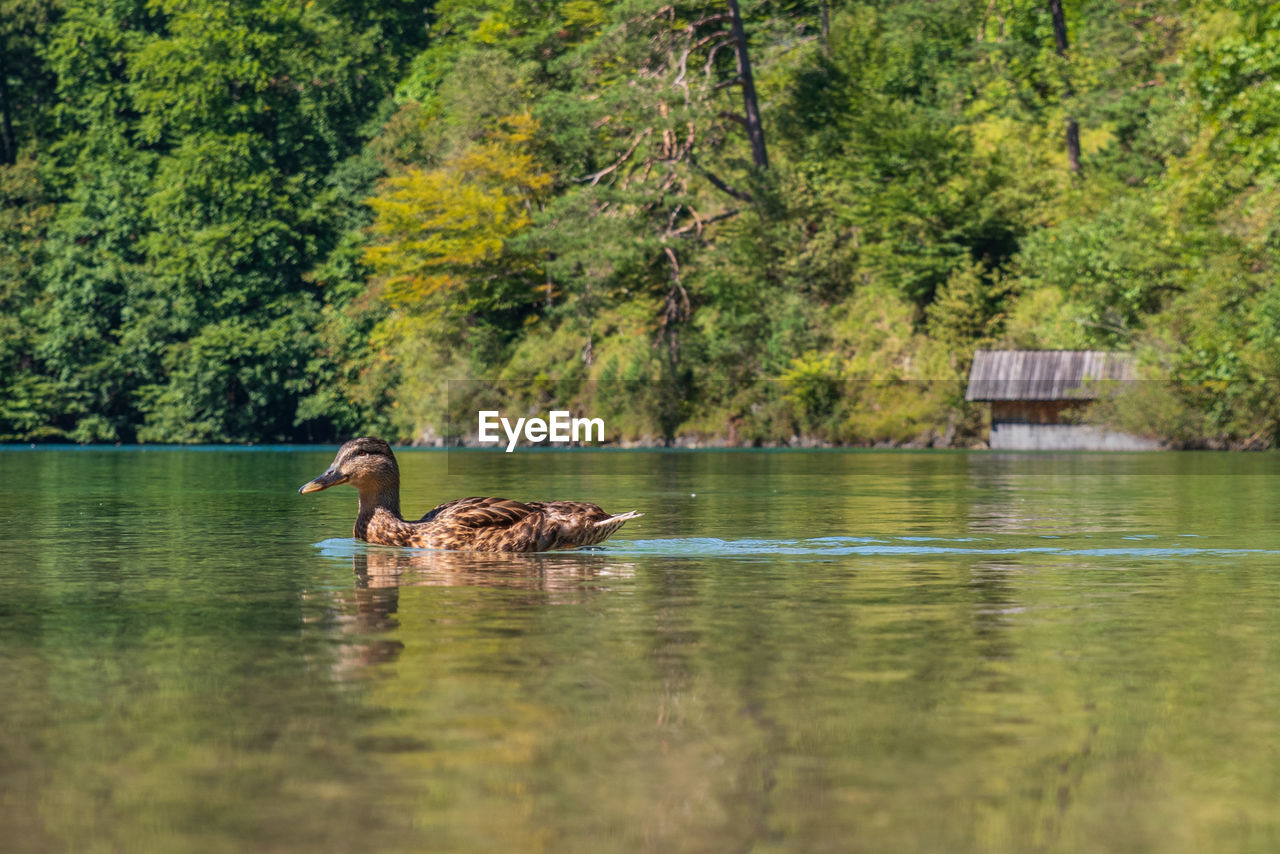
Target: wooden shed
{"points": [[1038, 396]]}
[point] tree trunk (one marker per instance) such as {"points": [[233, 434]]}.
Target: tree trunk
{"points": [[826, 27], [8, 146], [755, 131], [1059, 26], [1073, 144], [1060, 41]]}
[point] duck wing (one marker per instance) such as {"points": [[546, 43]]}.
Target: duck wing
{"points": [[500, 524], [481, 513]]}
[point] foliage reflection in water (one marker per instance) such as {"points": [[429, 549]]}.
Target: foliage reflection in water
{"points": [[816, 652]]}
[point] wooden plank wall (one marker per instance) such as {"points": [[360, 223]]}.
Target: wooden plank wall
{"points": [[1035, 412]]}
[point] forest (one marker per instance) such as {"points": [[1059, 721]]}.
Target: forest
{"points": [[752, 222]]}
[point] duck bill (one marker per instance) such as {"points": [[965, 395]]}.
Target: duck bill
{"points": [[324, 481]]}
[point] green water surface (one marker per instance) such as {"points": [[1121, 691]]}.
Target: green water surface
{"points": [[791, 652]]}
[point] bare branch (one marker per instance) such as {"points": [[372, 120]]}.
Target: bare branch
{"points": [[709, 19], [684, 66], [668, 183], [690, 47], [719, 184], [675, 214], [677, 308], [711, 55], [700, 224], [595, 177], [644, 176], [687, 148]]}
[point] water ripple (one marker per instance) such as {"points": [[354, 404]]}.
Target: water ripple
{"points": [[910, 546], [870, 546]]}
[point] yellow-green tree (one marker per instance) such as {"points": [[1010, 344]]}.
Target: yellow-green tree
{"points": [[443, 235], [444, 261]]}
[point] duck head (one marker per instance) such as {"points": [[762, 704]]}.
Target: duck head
{"points": [[365, 463]]}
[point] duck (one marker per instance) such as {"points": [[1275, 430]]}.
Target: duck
{"points": [[466, 524]]}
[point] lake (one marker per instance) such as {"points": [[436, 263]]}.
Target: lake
{"points": [[791, 652]]}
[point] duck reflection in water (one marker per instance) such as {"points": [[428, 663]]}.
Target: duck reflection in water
{"points": [[370, 608]]}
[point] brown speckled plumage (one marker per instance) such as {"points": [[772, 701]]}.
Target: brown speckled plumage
{"points": [[469, 524]]}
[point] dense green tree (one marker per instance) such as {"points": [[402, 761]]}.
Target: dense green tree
{"points": [[29, 403], [270, 221], [195, 149], [26, 85]]}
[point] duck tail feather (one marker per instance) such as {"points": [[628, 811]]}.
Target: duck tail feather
{"points": [[618, 519]]}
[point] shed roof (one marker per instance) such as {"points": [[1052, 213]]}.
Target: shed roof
{"points": [[1045, 374]]}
